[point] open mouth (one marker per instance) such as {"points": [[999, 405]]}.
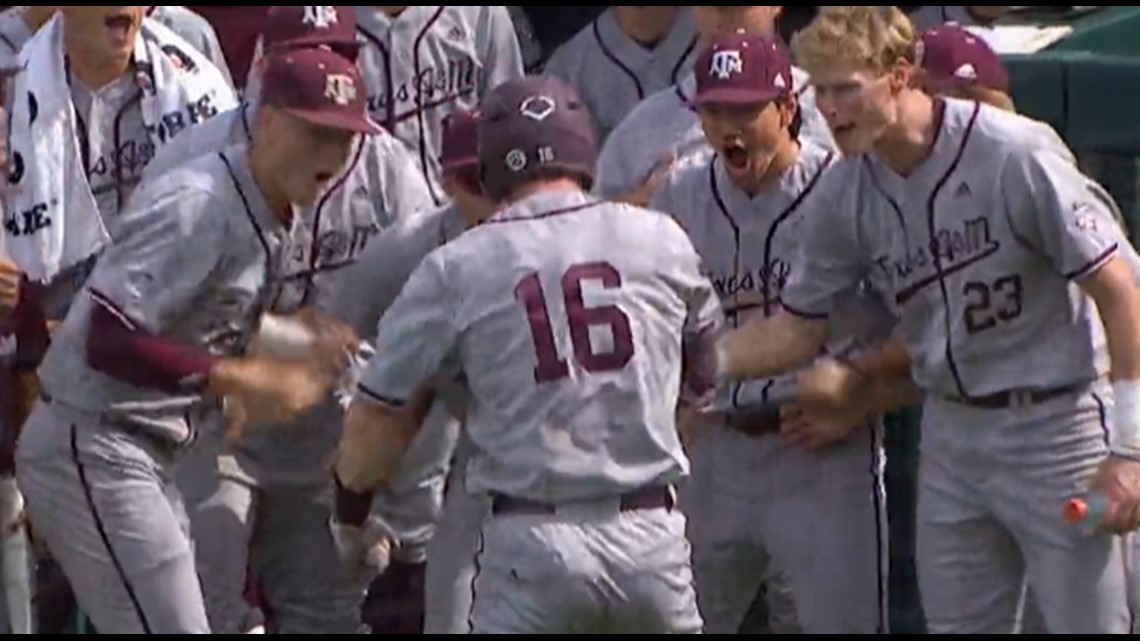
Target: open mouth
{"points": [[736, 156], [324, 177], [119, 25]]}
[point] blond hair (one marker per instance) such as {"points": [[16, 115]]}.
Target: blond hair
{"points": [[873, 37]]}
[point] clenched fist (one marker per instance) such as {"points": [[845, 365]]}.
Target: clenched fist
{"points": [[263, 390], [1119, 482], [364, 549]]}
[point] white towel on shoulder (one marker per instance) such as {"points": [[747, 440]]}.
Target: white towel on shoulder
{"points": [[52, 221]]}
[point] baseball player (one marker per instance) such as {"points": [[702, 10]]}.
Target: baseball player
{"points": [[258, 482], [423, 63], [624, 56], [1018, 304], [560, 337], [664, 129], [156, 341], [195, 30], [756, 501], [410, 508]]}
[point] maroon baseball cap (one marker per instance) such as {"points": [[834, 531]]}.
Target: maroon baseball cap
{"points": [[460, 141], [319, 86], [293, 27], [742, 69], [951, 56]]}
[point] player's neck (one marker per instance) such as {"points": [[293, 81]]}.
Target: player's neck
{"points": [[646, 32], [771, 175], [543, 186], [95, 71], [271, 191], [910, 140], [393, 12]]}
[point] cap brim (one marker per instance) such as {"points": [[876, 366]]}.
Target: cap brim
{"points": [[356, 124], [736, 96]]}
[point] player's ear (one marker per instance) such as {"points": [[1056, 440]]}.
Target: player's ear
{"points": [[900, 77]]}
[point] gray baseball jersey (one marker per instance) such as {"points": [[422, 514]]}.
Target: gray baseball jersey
{"points": [[198, 257], [589, 399], [981, 246], [196, 31], [113, 141], [379, 186], [1013, 222], [614, 73], [748, 245], [667, 122], [430, 62], [14, 34]]}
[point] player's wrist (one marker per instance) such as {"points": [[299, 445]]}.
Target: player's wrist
{"points": [[1125, 427], [723, 362]]}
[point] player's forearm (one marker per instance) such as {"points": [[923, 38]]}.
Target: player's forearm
{"points": [[1117, 298], [128, 354], [373, 442], [767, 347]]}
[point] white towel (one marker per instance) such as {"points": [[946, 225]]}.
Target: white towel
{"points": [[52, 220]]}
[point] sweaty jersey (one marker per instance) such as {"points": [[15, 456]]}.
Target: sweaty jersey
{"points": [[196, 31], [613, 73], [567, 317], [667, 122], [430, 62], [979, 249], [197, 259]]}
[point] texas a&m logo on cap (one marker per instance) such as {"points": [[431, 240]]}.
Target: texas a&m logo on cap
{"points": [[726, 63], [320, 17], [340, 88]]}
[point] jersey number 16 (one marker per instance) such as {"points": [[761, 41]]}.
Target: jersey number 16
{"points": [[579, 319]]}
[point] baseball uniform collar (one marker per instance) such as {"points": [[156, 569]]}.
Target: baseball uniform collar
{"points": [[613, 38], [545, 204], [379, 23], [686, 89]]}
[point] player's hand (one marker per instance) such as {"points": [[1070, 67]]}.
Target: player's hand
{"points": [[817, 428], [830, 384], [364, 549], [1119, 482], [10, 283], [335, 342], [263, 390], [645, 192]]}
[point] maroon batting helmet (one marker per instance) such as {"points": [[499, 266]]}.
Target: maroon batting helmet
{"points": [[534, 127]]}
